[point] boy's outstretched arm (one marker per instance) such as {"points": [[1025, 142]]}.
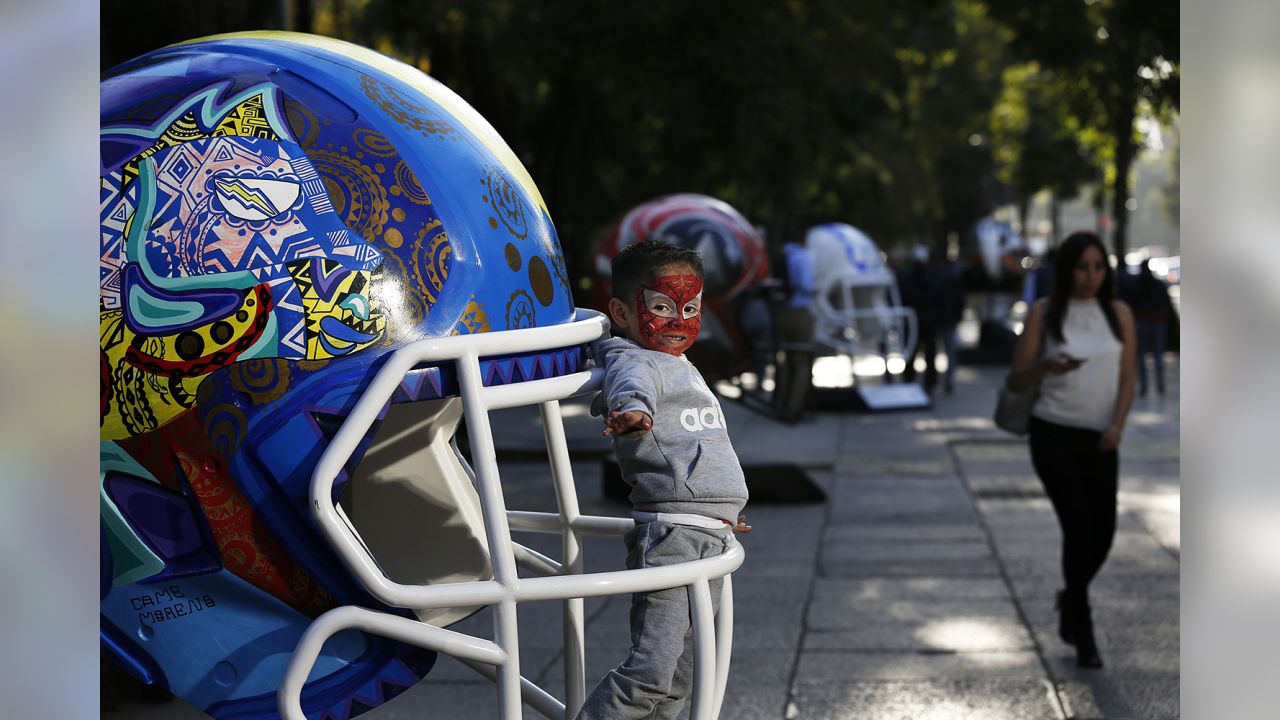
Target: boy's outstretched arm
{"points": [[630, 392]]}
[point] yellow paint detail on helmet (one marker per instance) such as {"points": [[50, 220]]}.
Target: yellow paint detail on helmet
{"points": [[139, 401]]}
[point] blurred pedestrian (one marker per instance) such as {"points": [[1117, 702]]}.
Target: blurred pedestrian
{"points": [[793, 328], [932, 287], [1079, 345], [1038, 281], [946, 297], [1152, 309], [913, 286], [799, 276]]}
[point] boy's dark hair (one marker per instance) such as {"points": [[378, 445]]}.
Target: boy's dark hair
{"points": [[638, 261]]}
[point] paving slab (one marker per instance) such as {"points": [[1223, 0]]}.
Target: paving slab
{"points": [[892, 552], [903, 533], [1139, 659], [958, 633], [1106, 584], [1010, 484], [1149, 564], [1117, 697], [841, 666], [1143, 551], [1164, 635], [910, 568], [776, 570], [985, 699], [870, 591], [832, 611], [903, 507], [1113, 610], [906, 466]]}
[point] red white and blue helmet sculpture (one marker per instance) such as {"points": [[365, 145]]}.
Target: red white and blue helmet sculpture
{"points": [[734, 261], [281, 213]]}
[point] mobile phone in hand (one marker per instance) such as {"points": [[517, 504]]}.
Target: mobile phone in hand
{"points": [[1074, 359]]}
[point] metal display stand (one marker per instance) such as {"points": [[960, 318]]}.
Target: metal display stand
{"points": [[562, 580]]}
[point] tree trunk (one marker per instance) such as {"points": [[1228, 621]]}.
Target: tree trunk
{"points": [[1125, 150], [302, 15], [287, 16], [1055, 219]]}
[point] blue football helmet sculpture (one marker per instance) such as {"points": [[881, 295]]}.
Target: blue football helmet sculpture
{"points": [[279, 213]]}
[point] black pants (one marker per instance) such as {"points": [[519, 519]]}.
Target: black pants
{"points": [[927, 345], [1080, 480]]}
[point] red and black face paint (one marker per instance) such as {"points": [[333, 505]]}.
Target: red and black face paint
{"points": [[669, 310]]}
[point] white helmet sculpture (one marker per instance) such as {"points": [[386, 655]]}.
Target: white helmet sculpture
{"points": [[857, 308]]}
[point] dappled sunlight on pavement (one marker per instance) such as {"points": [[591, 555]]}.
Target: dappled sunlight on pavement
{"points": [[967, 634]]}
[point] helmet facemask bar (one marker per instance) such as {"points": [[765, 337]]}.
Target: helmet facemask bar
{"points": [[499, 658], [858, 315]]}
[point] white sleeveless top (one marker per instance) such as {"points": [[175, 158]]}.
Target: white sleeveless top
{"points": [[1086, 396]]}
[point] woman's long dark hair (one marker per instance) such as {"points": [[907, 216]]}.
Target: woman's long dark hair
{"points": [[1064, 266]]}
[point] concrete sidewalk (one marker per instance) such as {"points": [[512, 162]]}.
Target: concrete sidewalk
{"points": [[934, 590], [922, 589]]}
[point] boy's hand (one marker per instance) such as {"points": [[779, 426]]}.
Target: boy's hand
{"points": [[621, 423], [742, 526]]}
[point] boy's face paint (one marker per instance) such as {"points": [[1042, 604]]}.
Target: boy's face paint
{"points": [[668, 309]]}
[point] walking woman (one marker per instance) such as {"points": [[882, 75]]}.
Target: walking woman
{"points": [[1079, 345]]}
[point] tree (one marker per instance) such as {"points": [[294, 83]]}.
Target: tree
{"points": [[949, 116], [1041, 143], [133, 27], [1122, 55], [789, 111]]}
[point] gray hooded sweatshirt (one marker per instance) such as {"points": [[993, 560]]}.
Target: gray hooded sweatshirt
{"points": [[685, 463]]}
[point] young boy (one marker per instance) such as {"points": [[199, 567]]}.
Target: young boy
{"points": [[687, 487]]}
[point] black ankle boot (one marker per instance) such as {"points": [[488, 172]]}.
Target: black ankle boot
{"points": [[1087, 648], [1082, 632], [1066, 626]]}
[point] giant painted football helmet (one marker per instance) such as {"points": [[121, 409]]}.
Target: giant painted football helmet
{"points": [[314, 261], [734, 263], [857, 308]]}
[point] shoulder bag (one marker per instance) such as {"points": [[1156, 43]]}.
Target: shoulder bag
{"points": [[1013, 408]]}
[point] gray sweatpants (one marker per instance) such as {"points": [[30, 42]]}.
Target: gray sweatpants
{"points": [[657, 676]]}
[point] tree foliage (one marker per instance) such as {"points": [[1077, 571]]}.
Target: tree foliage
{"points": [[795, 112], [910, 120], [1040, 139], [1120, 56]]}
